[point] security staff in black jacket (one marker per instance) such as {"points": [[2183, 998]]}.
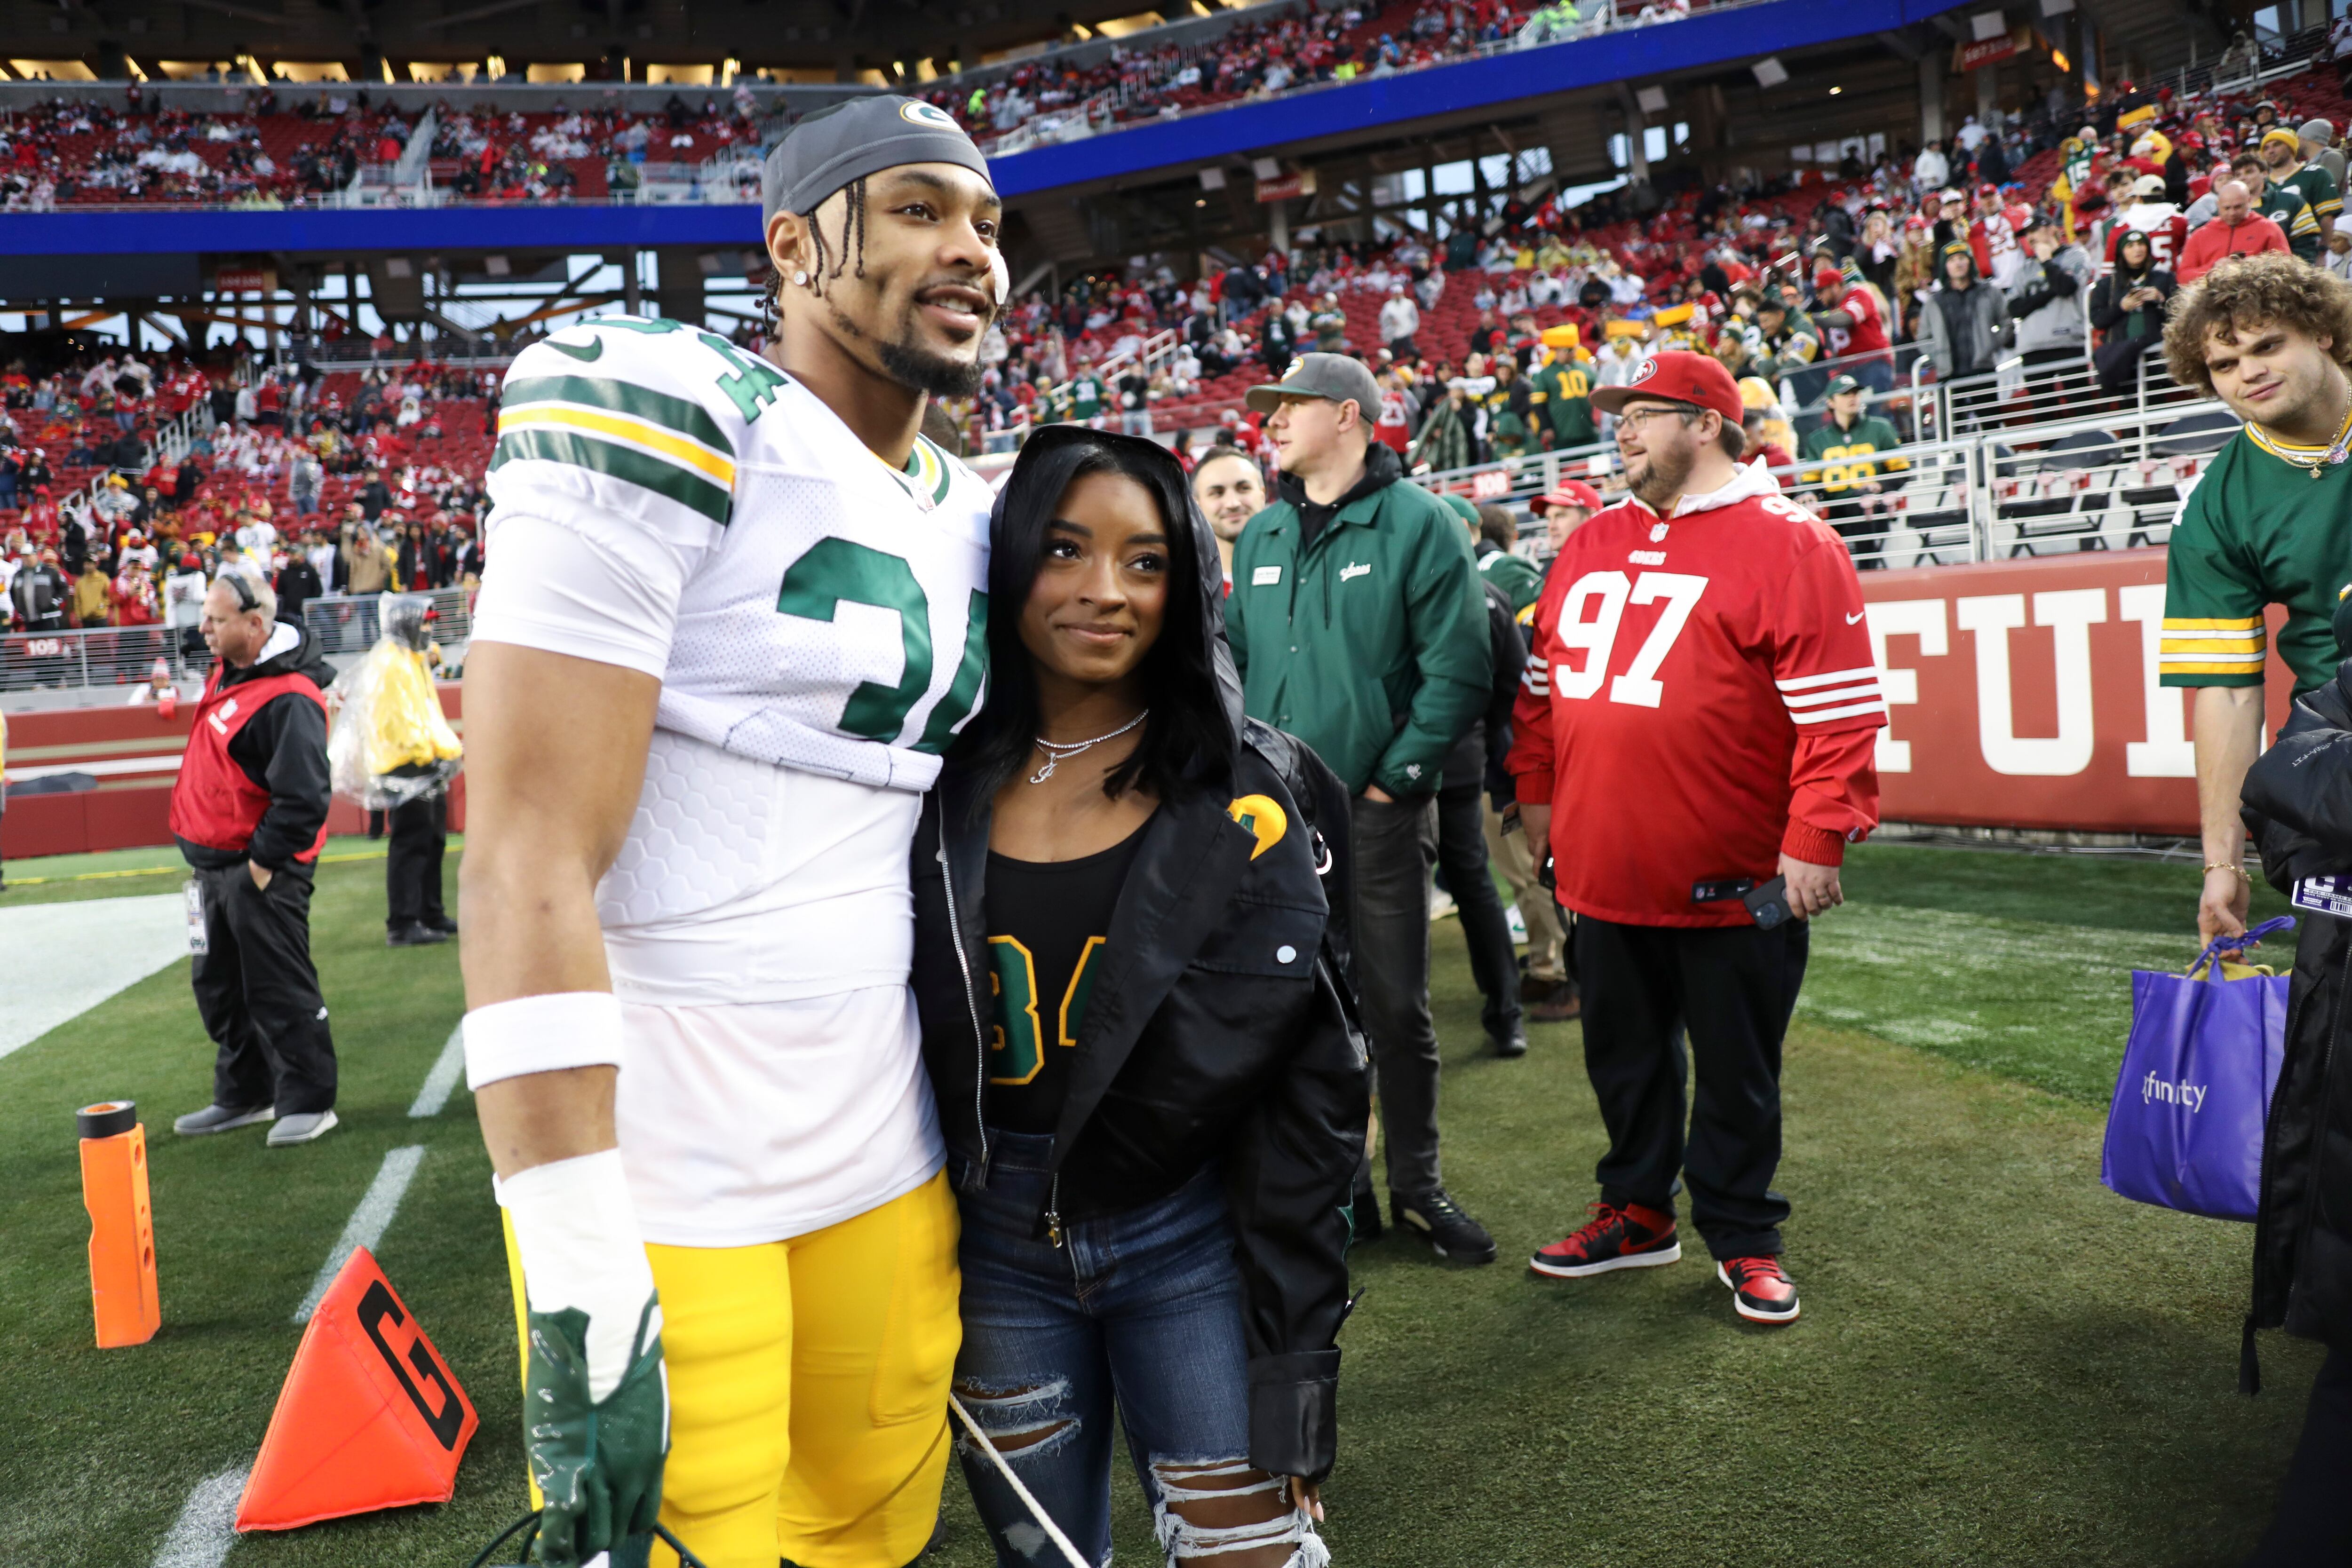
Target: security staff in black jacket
{"points": [[1215, 1085], [1471, 767], [250, 810], [2297, 802]]}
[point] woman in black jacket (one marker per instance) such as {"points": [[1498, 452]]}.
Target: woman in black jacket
{"points": [[2298, 805], [2127, 310], [1132, 980]]}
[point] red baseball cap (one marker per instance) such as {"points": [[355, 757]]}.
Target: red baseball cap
{"points": [[1677, 375], [1567, 493]]}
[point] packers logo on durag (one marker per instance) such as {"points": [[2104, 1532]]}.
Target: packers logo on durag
{"points": [[922, 113], [1265, 821]]}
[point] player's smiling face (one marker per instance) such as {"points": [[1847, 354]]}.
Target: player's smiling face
{"points": [[910, 288], [1100, 595]]}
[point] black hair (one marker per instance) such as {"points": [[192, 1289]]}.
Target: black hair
{"points": [[1188, 735], [1224, 448], [853, 240]]}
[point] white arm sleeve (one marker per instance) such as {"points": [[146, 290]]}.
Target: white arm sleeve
{"points": [[592, 586]]}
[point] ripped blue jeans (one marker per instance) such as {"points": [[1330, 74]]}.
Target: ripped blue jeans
{"points": [[1142, 1308]]}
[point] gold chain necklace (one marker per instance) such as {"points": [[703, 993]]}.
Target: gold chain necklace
{"points": [[2337, 450]]}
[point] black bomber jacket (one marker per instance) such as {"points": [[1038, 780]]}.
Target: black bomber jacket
{"points": [[2297, 803], [1223, 1029]]}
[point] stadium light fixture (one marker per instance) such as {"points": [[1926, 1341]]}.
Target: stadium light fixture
{"points": [[1836, 91], [1770, 71]]}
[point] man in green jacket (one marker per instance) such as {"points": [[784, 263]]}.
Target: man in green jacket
{"points": [[1360, 627]]}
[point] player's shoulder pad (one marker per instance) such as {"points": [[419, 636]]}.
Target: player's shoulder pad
{"points": [[613, 357], [643, 417]]}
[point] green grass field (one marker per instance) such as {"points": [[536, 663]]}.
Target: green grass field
{"points": [[1999, 1363]]}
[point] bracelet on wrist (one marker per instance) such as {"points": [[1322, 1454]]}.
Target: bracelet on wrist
{"points": [[2224, 865]]}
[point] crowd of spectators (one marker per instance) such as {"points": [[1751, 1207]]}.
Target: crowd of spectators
{"points": [[1055, 96], [2014, 247], [2033, 260], [362, 487], [70, 150]]}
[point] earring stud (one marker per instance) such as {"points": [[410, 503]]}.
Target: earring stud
{"points": [[800, 278]]}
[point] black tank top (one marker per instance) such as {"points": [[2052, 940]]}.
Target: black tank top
{"points": [[1047, 925]]}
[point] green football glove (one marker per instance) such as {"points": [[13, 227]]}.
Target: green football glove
{"points": [[598, 1463]]}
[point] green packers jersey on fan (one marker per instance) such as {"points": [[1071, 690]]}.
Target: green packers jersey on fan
{"points": [[2317, 187], [2284, 205], [2256, 529], [1562, 394], [1848, 456]]}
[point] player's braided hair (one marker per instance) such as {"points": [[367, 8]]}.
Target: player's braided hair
{"points": [[853, 234]]}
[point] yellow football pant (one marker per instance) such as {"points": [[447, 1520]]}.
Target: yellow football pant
{"points": [[808, 1387]]}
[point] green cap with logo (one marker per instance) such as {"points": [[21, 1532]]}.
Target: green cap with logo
{"points": [[1842, 385], [1341, 378]]}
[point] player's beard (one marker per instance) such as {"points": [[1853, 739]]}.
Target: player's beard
{"points": [[926, 372], [907, 362]]}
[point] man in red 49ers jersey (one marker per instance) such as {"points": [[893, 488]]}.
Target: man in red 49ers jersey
{"points": [[1696, 722]]}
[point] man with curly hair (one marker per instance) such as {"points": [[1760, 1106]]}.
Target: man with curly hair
{"points": [[2271, 337]]}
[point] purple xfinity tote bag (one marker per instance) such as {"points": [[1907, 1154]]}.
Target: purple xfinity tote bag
{"points": [[2186, 1128]]}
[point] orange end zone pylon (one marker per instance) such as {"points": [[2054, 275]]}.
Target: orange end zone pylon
{"points": [[121, 1225], [370, 1415]]}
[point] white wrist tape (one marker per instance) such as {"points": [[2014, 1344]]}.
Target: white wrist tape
{"points": [[576, 1229], [542, 1034]]}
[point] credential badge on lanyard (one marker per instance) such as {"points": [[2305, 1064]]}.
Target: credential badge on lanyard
{"points": [[2325, 894], [193, 892]]}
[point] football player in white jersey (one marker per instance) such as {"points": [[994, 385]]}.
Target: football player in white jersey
{"points": [[734, 614]]}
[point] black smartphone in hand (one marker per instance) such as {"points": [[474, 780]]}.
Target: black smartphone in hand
{"points": [[1768, 903]]}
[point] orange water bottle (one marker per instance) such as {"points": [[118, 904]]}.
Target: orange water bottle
{"points": [[122, 1226]]}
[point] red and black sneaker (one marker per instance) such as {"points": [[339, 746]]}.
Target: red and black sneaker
{"points": [[1761, 1292], [1633, 1237]]}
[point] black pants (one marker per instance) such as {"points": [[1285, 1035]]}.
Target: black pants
{"points": [[2312, 1525], [1730, 990], [259, 996], [1462, 861], [411, 864], [1394, 844]]}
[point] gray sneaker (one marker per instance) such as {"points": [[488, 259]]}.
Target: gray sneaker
{"points": [[302, 1128], [221, 1119]]}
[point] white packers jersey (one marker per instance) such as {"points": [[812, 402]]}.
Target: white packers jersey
{"points": [[834, 617], [817, 619]]}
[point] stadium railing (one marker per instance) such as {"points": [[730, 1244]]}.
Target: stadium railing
{"points": [[348, 623], [2099, 481], [124, 656]]}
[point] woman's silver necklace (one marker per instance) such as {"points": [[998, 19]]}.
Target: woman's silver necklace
{"points": [[1056, 750]]}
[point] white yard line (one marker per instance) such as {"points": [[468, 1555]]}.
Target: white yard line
{"points": [[368, 1221], [206, 1527], [66, 958], [201, 1537], [443, 1080]]}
